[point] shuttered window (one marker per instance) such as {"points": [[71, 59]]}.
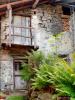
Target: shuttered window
{"points": [[22, 30]]}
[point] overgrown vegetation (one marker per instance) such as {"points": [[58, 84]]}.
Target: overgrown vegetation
{"points": [[52, 71], [42, 78], [16, 98], [34, 60]]}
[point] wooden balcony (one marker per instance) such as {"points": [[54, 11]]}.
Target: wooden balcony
{"points": [[19, 39], [17, 49]]}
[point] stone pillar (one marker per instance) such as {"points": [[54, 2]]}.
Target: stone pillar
{"points": [[6, 70]]}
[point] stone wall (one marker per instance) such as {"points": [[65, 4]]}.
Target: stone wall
{"points": [[6, 70], [72, 28], [47, 21]]}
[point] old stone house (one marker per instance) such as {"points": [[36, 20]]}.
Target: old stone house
{"points": [[28, 24]]}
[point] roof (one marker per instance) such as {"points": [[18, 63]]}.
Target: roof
{"points": [[20, 4], [7, 1], [17, 4]]}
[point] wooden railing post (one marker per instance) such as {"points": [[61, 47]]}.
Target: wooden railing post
{"points": [[9, 12]]}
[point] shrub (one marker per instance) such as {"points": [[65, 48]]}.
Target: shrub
{"points": [[58, 73], [42, 78], [34, 60], [63, 78]]}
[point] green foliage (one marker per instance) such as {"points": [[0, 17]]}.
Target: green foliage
{"points": [[58, 73], [50, 70], [42, 78], [63, 78], [72, 98], [26, 72], [16, 98], [34, 60]]}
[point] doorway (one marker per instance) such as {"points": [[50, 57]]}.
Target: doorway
{"points": [[19, 83]]}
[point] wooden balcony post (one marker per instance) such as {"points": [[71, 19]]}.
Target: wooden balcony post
{"points": [[9, 12], [35, 3]]}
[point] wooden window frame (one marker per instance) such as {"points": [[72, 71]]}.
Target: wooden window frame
{"points": [[19, 59], [19, 75], [30, 29]]}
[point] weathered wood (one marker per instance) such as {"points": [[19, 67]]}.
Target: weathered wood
{"points": [[15, 3], [35, 3], [21, 27], [9, 12], [20, 7], [16, 9], [18, 50], [21, 36]]}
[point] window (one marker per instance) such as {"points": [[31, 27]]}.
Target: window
{"points": [[17, 66], [66, 10], [22, 30]]}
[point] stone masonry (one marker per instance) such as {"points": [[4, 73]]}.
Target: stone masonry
{"points": [[6, 70], [47, 22]]}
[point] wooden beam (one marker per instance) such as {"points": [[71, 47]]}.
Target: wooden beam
{"points": [[9, 14], [16, 9], [15, 3], [20, 27], [22, 7], [35, 3]]}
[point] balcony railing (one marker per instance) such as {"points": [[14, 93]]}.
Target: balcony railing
{"points": [[20, 39]]}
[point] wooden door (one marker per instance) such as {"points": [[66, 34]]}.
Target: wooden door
{"points": [[19, 83]]}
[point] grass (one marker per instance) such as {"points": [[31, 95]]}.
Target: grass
{"points": [[16, 98]]}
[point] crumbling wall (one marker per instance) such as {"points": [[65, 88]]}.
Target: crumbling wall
{"points": [[49, 20], [6, 70]]}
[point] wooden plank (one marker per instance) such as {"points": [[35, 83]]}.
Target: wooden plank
{"points": [[35, 3], [15, 3], [22, 6], [16, 9], [20, 27], [7, 1], [22, 36], [19, 35], [9, 12]]}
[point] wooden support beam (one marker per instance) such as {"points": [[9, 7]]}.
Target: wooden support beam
{"points": [[35, 3], [16, 9], [15, 3], [9, 14], [20, 27], [22, 7]]}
